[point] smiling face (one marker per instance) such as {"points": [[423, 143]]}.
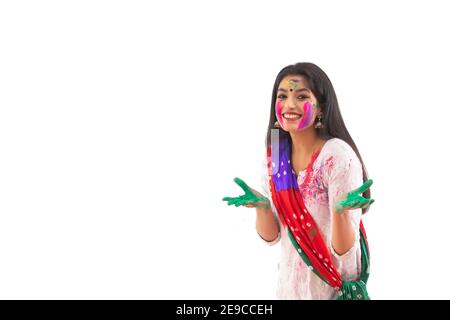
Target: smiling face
{"points": [[296, 106]]}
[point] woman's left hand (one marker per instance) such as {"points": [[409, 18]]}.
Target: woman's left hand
{"points": [[353, 200]]}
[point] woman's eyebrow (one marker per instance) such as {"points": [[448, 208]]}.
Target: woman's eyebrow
{"points": [[301, 89]]}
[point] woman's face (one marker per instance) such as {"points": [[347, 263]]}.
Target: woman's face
{"points": [[296, 106]]}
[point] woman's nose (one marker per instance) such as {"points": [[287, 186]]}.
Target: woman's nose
{"points": [[291, 103]]}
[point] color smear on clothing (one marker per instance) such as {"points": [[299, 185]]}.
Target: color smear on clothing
{"points": [[309, 169], [307, 115]]}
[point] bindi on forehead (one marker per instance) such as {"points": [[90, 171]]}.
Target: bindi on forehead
{"points": [[293, 84]]}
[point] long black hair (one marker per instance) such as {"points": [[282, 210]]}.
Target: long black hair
{"points": [[333, 123]]}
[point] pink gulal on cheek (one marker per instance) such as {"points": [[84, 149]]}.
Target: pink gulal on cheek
{"points": [[278, 112], [307, 115]]}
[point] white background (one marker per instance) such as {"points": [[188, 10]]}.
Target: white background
{"points": [[123, 124]]}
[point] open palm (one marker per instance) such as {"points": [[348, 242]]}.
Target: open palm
{"points": [[353, 200], [250, 197]]}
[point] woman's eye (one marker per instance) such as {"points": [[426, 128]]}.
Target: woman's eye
{"points": [[301, 97]]}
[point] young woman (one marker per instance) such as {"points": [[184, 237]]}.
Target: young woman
{"points": [[312, 191]]}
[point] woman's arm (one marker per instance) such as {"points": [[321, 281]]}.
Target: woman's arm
{"points": [[342, 173], [343, 231], [343, 234], [266, 223]]}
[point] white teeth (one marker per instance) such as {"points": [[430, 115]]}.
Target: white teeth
{"points": [[291, 116]]}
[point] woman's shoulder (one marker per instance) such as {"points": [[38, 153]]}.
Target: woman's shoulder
{"points": [[339, 159], [338, 150]]}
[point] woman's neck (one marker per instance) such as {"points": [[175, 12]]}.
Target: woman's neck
{"points": [[305, 142]]}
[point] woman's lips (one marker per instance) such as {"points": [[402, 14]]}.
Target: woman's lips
{"points": [[291, 116]]}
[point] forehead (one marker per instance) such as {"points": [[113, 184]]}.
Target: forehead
{"points": [[293, 80]]}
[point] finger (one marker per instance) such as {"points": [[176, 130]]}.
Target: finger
{"points": [[365, 206], [357, 205], [369, 203], [229, 199], [363, 203], [233, 201], [357, 202], [366, 185], [249, 205], [242, 184], [351, 205], [348, 203]]}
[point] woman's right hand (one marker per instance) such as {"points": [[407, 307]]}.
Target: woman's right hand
{"points": [[251, 198]]}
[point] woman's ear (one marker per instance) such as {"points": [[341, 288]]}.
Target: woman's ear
{"points": [[318, 109]]}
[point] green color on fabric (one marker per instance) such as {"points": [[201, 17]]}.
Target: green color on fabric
{"points": [[357, 290], [351, 290], [303, 255]]}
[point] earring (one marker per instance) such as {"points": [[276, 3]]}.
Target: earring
{"points": [[318, 124], [277, 125]]}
